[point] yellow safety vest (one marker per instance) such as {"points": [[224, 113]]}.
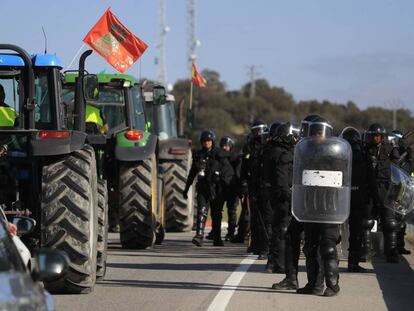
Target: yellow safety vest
{"points": [[93, 115], [7, 116]]}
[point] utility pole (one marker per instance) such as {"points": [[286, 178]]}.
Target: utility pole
{"points": [[164, 29], [252, 75], [192, 41], [394, 105]]}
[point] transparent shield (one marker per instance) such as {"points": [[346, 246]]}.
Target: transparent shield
{"points": [[400, 195], [322, 180]]}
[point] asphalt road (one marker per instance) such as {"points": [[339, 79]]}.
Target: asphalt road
{"points": [[180, 276]]}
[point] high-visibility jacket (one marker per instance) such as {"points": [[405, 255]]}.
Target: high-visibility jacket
{"points": [[7, 116], [93, 115]]}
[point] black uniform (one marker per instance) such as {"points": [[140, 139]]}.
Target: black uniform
{"points": [[320, 238], [212, 170], [250, 173], [379, 180], [277, 175], [360, 219], [231, 192]]}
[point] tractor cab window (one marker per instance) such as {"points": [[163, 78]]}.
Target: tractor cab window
{"points": [[139, 116], [163, 119], [112, 102], [43, 113], [9, 98]]}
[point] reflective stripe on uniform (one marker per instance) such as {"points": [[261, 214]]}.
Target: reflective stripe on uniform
{"points": [[7, 116]]}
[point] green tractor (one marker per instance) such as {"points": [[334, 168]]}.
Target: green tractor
{"points": [[174, 154], [48, 170], [130, 161]]}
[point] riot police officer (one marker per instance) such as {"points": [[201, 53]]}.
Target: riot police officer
{"points": [[402, 156], [360, 219], [211, 169], [294, 235], [378, 151], [250, 175], [322, 181], [277, 176], [230, 192]]}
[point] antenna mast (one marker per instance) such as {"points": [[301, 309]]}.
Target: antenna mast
{"points": [[192, 42], [164, 29]]}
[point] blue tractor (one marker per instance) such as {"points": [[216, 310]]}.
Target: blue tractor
{"points": [[48, 168]]}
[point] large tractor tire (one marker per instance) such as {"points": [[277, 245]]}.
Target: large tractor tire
{"points": [[69, 218], [137, 207], [179, 211], [102, 229]]}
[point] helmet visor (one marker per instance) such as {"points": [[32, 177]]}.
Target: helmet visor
{"points": [[320, 129]]}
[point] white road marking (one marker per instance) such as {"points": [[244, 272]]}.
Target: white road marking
{"points": [[223, 297]]}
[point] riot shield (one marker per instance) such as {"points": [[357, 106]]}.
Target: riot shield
{"points": [[322, 180], [400, 194]]}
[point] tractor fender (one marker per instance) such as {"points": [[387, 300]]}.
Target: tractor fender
{"points": [[137, 153]]}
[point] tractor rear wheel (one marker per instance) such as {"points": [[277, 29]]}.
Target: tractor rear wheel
{"points": [[69, 217], [179, 211], [137, 207]]}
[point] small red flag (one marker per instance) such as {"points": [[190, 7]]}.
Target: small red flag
{"points": [[196, 77], [114, 42]]}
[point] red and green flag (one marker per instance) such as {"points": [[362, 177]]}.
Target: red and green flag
{"points": [[196, 77], [114, 42]]}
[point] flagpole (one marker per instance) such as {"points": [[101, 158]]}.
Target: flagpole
{"points": [[76, 55], [191, 95]]}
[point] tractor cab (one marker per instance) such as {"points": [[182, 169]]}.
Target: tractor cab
{"points": [[47, 169], [160, 109]]}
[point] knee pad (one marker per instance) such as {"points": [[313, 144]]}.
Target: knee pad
{"points": [[390, 225], [328, 252], [282, 232], [367, 223]]}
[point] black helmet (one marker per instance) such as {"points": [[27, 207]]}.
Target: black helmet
{"points": [[273, 127], [351, 135], [207, 135], [258, 128], [376, 128], [319, 126], [227, 140], [284, 133], [304, 125]]}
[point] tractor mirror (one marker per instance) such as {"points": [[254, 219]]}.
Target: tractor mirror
{"points": [[159, 95], [91, 87], [25, 225]]}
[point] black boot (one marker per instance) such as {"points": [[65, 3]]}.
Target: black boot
{"points": [[315, 285], [356, 268], [353, 263], [404, 251], [331, 271], [286, 284], [201, 223], [238, 238], [210, 236], [198, 240]]}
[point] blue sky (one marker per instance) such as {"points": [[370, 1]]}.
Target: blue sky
{"points": [[316, 49]]}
